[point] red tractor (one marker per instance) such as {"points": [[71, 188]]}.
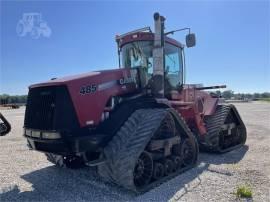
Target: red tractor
{"points": [[138, 124]]}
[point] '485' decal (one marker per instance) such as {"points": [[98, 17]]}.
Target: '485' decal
{"points": [[88, 89]]}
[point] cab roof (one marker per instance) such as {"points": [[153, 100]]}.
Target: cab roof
{"points": [[144, 36]]}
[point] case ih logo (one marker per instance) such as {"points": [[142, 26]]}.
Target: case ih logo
{"points": [[127, 80], [33, 24]]}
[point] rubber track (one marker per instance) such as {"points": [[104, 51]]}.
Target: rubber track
{"points": [[6, 123], [126, 146], [213, 124]]}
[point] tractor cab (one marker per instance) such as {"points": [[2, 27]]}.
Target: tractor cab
{"points": [[32, 18], [136, 51]]}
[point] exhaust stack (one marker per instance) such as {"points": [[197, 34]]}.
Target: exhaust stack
{"points": [[158, 57]]}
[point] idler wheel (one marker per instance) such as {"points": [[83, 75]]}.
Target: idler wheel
{"points": [[187, 152], [143, 170], [177, 162]]}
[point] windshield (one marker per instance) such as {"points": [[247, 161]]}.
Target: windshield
{"points": [[139, 54]]}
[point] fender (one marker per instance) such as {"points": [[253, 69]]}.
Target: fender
{"points": [[122, 112]]}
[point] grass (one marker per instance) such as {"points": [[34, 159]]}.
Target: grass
{"points": [[244, 191]]}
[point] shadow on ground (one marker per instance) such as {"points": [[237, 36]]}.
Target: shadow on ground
{"points": [[55, 184]]}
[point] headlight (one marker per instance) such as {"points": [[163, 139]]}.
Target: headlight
{"points": [[36, 134], [27, 132], [51, 135]]}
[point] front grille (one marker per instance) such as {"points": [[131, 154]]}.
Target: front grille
{"points": [[40, 108], [50, 108]]}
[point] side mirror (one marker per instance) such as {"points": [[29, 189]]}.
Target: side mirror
{"points": [[190, 40]]}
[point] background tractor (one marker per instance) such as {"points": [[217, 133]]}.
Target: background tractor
{"points": [[138, 124], [4, 126]]}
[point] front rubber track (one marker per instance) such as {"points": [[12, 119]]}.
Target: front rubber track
{"points": [[123, 151]]}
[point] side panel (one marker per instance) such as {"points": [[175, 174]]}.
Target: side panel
{"points": [[193, 105], [90, 95]]}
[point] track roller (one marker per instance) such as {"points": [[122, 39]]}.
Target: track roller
{"points": [[158, 171], [169, 166], [177, 162], [187, 152], [143, 170]]}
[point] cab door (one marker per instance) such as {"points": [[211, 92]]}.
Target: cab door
{"points": [[173, 69]]}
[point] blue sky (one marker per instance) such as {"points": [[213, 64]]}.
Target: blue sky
{"points": [[233, 40]]}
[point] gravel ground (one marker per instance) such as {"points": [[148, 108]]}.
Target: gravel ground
{"points": [[27, 176]]}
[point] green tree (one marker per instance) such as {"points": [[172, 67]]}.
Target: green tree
{"points": [[227, 94], [265, 95], [257, 95]]}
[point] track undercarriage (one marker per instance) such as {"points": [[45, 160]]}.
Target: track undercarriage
{"points": [[149, 148], [154, 145], [226, 130]]}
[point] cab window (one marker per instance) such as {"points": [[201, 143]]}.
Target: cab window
{"points": [[139, 54], [173, 66]]}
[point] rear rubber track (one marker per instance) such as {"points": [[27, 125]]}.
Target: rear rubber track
{"points": [[214, 123]]}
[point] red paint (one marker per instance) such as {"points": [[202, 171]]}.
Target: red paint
{"points": [[89, 107], [192, 104]]}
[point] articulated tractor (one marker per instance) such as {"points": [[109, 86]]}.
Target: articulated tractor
{"points": [[140, 124]]}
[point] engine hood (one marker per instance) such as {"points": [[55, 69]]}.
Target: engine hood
{"points": [[91, 91], [104, 74]]}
